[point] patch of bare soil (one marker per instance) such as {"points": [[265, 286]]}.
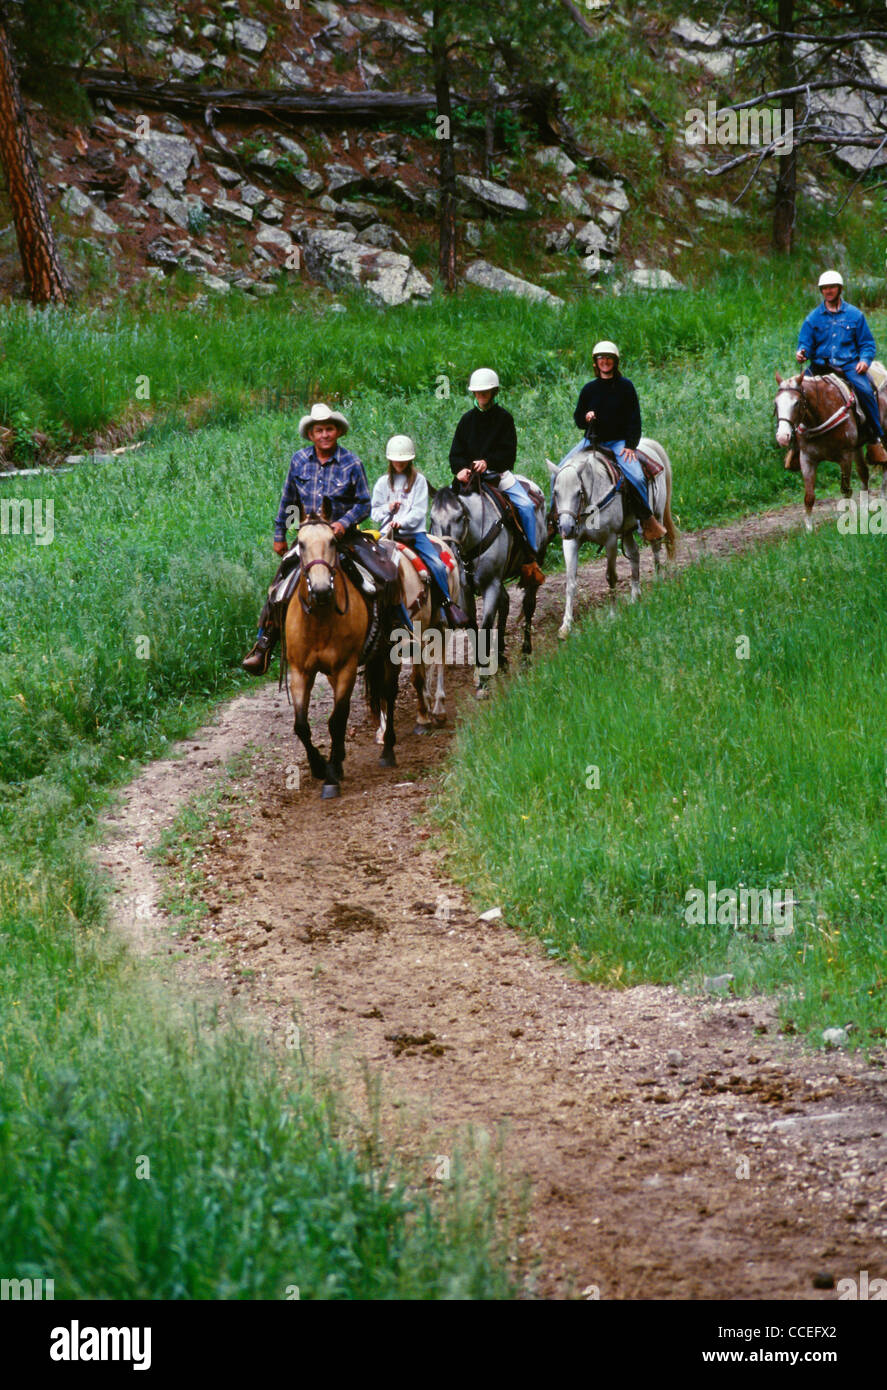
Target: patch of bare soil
{"points": [[676, 1147]]}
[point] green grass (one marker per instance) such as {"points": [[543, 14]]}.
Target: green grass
{"points": [[74, 375], [765, 773]]}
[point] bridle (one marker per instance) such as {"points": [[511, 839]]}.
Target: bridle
{"points": [[333, 569], [596, 507], [802, 430]]}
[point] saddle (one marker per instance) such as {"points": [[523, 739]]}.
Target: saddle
{"points": [[419, 565], [507, 511], [652, 467]]}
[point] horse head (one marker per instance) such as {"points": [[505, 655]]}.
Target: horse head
{"points": [[568, 498], [318, 557], [449, 519], [790, 407]]}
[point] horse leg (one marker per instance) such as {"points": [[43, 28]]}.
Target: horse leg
{"points": [[487, 635], [808, 472], [633, 555], [438, 693], [845, 464], [862, 469], [571, 558], [423, 719], [301, 684], [528, 608], [343, 685], [612, 545]]}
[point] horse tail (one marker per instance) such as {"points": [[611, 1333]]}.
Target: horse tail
{"points": [[375, 680], [671, 536]]}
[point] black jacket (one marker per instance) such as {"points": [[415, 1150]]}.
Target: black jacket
{"points": [[616, 409], [485, 434]]}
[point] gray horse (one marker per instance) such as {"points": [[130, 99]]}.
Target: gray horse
{"points": [[588, 507], [488, 555]]}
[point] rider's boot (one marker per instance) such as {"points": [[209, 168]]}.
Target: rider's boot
{"points": [[793, 459], [258, 660], [876, 452], [455, 616], [651, 530], [530, 572]]}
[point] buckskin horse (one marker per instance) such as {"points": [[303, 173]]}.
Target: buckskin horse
{"points": [[589, 505], [327, 625], [489, 553], [816, 419]]}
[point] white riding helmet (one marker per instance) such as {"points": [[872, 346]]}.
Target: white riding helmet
{"points": [[400, 448], [830, 277], [605, 349], [483, 380]]}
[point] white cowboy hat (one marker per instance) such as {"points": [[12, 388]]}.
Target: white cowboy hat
{"points": [[319, 415], [605, 349], [830, 277], [399, 448], [483, 380]]}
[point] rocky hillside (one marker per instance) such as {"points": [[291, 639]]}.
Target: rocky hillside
{"points": [[212, 203]]}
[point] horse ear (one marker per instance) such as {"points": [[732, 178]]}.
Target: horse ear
{"points": [[552, 467], [301, 513], [326, 509], [432, 493], [778, 378]]}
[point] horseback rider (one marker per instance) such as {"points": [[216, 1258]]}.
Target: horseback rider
{"points": [[484, 448], [835, 337], [609, 407], [323, 469], [399, 507]]}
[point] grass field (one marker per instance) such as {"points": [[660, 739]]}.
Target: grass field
{"points": [[659, 753]]}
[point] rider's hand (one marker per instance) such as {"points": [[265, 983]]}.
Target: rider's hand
{"points": [[464, 475], [280, 547], [589, 416], [393, 506], [800, 355], [338, 530], [630, 454], [480, 465], [862, 368]]}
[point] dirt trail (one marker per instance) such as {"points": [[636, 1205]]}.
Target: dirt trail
{"points": [[677, 1147]]}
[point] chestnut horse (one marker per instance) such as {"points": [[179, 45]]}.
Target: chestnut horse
{"points": [[326, 627], [815, 420]]}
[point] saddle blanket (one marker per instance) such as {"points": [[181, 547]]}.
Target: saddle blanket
{"points": [[652, 467], [419, 564]]}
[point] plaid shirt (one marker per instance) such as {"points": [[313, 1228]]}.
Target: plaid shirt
{"points": [[308, 481]]}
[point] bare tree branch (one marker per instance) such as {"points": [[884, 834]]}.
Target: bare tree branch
{"points": [[834, 39]]}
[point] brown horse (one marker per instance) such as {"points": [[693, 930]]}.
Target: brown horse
{"points": [[817, 422], [326, 628]]}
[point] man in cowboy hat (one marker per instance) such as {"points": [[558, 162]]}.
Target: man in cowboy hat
{"points": [[609, 407], [322, 469], [485, 446], [835, 337]]}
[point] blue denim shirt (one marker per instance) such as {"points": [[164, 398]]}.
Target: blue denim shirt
{"points": [[843, 338], [308, 481]]}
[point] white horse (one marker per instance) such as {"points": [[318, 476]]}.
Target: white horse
{"points": [[588, 506]]}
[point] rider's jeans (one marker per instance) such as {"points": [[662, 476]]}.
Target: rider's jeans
{"points": [[863, 387]]}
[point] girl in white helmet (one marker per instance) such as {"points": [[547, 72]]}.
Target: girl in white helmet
{"points": [[485, 445], [399, 506]]}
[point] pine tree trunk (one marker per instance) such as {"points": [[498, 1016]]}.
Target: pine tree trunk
{"points": [[784, 208], [447, 168], [44, 276]]}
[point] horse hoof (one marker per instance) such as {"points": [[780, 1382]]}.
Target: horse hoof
{"points": [[422, 729], [563, 632], [388, 760], [481, 693], [329, 790]]}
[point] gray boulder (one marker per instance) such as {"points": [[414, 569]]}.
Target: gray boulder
{"points": [[490, 277], [645, 278], [233, 212], [340, 261], [553, 157], [170, 156], [381, 235], [492, 197], [248, 34]]}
